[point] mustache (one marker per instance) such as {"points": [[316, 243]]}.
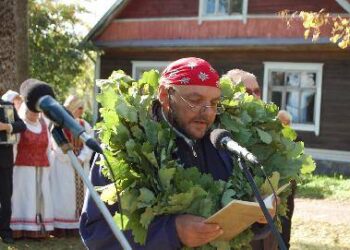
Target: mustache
{"points": [[201, 119]]}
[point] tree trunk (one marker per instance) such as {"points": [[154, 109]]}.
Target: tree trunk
{"points": [[13, 44]]}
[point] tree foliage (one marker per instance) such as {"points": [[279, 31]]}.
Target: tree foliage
{"points": [[56, 54], [314, 21]]}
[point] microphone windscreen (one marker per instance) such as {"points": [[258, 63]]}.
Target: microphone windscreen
{"points": [[32, 90], [217, 135]]}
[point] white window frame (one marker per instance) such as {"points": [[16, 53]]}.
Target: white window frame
{"points": [[202, 16], [138, 66], [288, 66]]}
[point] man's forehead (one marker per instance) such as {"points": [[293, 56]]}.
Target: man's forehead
{"points": [[205, 91], [251, 83]]}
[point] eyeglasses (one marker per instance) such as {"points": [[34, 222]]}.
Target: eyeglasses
{"points": [[254, 92], [201, 108]]}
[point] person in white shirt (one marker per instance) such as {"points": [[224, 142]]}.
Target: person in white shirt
{"points": [[67, 187], [32, 215]]}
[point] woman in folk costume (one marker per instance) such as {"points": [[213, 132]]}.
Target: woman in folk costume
{"points": [[67, 187], [32, 214]]}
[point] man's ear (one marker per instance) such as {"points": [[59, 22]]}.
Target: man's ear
{"points": [[163, 97]]}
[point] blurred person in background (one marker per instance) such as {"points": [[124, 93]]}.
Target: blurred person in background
{"points": [[13, 97], [32, 215], [6, 165], [66, 185], [248, 79]]}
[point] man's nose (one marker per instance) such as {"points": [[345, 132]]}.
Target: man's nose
{"points": [[208, 110]]}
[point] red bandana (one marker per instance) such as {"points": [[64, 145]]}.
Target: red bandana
{"points": [[190, 71]]}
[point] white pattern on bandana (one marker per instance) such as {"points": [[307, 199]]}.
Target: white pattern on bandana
{"points": [[203, 76], [192, 65], [173, 73], [185, 80]]}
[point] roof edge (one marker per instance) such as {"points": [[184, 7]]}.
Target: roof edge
{"points": [[344, 4], [105, 19], [228, 42]]}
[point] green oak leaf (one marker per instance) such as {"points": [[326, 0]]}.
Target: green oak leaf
{"points": [[147, 217], [227, 196], [125, 110], [145, 198], [264, 136], [308, 164], [118, 220], [166, 176]]}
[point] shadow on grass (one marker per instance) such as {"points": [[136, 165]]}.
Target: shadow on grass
{"points": [[316, 192]]}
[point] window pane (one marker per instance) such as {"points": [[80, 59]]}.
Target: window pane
{"points": [[292, 105], [308, 79], [210, 7], [277, 78], [301, 106], [235, 6], [223, 7], [293, 79], [277, 98], [307, 106]]}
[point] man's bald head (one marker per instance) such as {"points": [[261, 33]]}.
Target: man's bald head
{"points": [[248, 79], [284, 117]]}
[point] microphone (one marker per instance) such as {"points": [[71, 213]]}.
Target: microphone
{"points": [[39, 97], [221, 139]]}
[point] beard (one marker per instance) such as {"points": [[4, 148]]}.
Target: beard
{"points": [[185, 128]]}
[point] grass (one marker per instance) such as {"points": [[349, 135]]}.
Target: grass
{"points": [[324, 187], [48, 244]]}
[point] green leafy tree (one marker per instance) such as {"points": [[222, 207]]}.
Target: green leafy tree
{"points": [[314, 21], [56, 53]]}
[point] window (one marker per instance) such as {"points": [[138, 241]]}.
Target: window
{"points": [[295, 87], [223, 9], [138, 67]]}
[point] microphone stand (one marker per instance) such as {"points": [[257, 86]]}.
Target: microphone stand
{"points": [[66, 147], [262, 205]]}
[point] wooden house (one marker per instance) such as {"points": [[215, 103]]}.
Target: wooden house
{"points": [[310, 80]]}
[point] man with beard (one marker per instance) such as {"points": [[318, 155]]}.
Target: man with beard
{"points": [[188, 99]]}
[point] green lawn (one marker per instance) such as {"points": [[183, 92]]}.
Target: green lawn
{"points": [[325, 187]]}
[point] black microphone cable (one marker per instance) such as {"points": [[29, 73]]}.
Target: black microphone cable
{"points": [[271, 186]]}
